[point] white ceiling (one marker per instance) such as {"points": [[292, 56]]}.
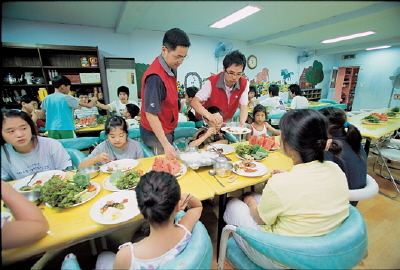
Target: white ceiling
{"points": [[299, 24]]}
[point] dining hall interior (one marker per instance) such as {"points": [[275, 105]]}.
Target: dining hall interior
{"points": [[283, 42]]}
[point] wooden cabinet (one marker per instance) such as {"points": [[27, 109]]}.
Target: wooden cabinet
{"points": [[44, 61], [312, 94], [345, 85]]}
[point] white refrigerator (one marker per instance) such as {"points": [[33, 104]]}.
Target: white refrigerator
{"points": [[120, 71]]}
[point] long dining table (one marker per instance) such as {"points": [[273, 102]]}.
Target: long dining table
{"points": [[74, 225], [372, 132]]}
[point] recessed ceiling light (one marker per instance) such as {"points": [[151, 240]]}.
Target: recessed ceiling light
{"points": [[348, 37], [377, 48], [236, 16]]}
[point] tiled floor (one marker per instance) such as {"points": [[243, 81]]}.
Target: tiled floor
{"points": [[379, 213]]}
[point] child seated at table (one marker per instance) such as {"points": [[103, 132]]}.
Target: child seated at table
{"points": [[310, 200], [129, 113], [159, 200], [23, 153], [116, 146], [259, 126], [210, 133], [353, 159]]}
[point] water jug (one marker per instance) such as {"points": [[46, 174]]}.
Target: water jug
{"points": [[222, 167]]}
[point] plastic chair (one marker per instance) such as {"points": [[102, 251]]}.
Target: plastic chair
{"points": [[185, 133], [384, 155], [365, 193], [235, 117], [134, 133], [80, 143], [197, 254], [328, 101], [343, 248], [76, 157], [186, 124]]}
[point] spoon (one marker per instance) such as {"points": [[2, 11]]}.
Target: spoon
{"points": [[213, 173], [27, 185]]}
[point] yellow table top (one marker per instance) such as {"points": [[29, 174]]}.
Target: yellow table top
{"points": [[90, 129], [374, 131], [275, 160], [74, 225]]}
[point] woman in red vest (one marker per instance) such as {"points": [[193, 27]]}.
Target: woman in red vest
{"points": [[159, 112], [226, 90]]}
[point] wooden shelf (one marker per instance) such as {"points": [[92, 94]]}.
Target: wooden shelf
{"points": [[18, 58], [345, 85]]}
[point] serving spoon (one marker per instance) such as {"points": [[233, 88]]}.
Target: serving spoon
{"points": [[27, 185], [213, 173]]}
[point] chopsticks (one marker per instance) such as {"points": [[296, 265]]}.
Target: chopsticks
{"points": [[188, 197]]}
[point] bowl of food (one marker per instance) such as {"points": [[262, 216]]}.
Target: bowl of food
{"points": [[93, 170], [31, 195]]}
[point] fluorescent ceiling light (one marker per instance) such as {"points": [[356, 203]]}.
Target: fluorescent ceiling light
{"points": [[348, 37], [379, 47], [236, 16]]}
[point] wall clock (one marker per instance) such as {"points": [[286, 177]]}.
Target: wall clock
{"points": [[252, 62]]}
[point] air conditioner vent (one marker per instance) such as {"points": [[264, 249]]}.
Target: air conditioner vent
{"points": [[349, 56], [119, 63]]}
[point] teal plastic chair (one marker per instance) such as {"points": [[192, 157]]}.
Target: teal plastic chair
{"points": [[182, 136], [276, 115], [186, 124], [197, 254], [328, 101], [235, 117], [343, 248], [133, 133], [76, 157], [80, 143]]}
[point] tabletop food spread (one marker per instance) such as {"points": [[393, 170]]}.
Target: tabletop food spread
{"points": [[122, 164]]}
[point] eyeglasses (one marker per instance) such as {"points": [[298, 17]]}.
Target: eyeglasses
{"points": [[239, 74], [177, 58]]}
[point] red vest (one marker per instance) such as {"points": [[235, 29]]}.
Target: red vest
{"points": [[219, 98], [169, 106]]}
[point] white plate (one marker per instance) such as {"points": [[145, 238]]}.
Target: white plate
{"points": [[261, 170], [109, 186], [254, 159], [236, 130], [226, 148], [178, 175], [7, 216], [131, 209], [367, 123], [123, 164], [43, 176], [93, 193]]}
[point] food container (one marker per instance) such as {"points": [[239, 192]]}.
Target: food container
{"points": [[85, 62], [31, 195], [93, 170], [93, 61], [222, 167], [195, 159]]}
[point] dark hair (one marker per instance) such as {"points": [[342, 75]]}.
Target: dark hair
{"points": [[175, 37], [123, 89], [27, 99], [306, 131], [274, 90], [157, 194], [57, 81], [234, 58], [259, 108], [215, 109], [81, 92], [114, 122], [252, 88], [295, 89], [132, 109], [191, 91], [337, 117]]}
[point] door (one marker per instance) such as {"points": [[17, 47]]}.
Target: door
{"points": [[332, 84]]}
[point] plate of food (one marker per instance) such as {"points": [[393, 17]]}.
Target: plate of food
{"points": [[224, 149], [371, 120], [236, 130], [39, 179], [178, 170], [59, 195], [249, 168], [247, 151], [250, 158], [122, 164], [115, 208], [119, 181], [370, 123]]}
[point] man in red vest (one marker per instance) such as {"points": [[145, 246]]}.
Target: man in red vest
{"points": [[159, 112], [227, 90]]}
